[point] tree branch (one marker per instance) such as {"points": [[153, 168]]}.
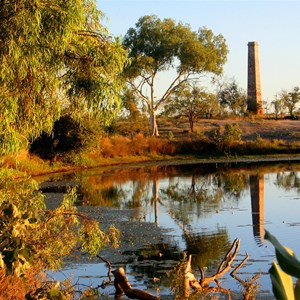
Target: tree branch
{"points": [[225, 265], [173, 86], [106, 282], [138, 89]]}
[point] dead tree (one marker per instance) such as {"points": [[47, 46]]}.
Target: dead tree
{"points": [[203, 284]]}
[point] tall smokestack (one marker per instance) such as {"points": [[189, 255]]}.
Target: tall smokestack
{"points": [[254, 87]]}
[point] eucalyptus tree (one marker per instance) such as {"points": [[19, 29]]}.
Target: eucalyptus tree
{"points": [[191, 103], [54, 55], [232, 97], [157, 46], [278, 106], [291, 99]]}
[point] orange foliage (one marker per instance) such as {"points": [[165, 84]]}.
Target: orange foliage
{"points": [[14, 287]]}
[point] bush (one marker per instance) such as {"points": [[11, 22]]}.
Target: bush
{"points": [[232, 134], [67, 135]]}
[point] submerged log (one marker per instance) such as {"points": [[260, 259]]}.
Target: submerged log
{"points": [[122, 285]]}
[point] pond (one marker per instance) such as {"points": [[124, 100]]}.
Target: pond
{"points": [[164, 211]]}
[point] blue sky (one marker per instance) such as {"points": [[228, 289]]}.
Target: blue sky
{"points": [[275, 25]]}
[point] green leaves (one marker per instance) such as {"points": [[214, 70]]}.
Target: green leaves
{"points": [[282, 282], [31, 236], [283, 287], [48, 50], [156, 46], [285, 256]]}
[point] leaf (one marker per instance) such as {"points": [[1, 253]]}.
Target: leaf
{"points": [[282, 283], [297, 290], [55, 294], [285, 256]]}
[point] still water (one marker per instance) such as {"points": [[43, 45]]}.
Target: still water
{"points": [[199, 209]]}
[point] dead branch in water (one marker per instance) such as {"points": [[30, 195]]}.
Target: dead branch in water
{"points": [[202, 286], [186, 280], [122, 285], [106, 282]]}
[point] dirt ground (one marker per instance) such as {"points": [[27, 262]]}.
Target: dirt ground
{"points": [[287, 130]]}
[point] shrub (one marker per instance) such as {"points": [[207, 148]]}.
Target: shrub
{"points": [[232, 134], [67, 135], [139, 145]]}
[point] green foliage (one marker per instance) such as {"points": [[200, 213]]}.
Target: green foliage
{"points": [[68, 135], [278, 105], [18, 216], [54, 55], [290, 100], [232, 97], [232, 133], [159, 45], [191, 103], [33, 238], [289, 265]]}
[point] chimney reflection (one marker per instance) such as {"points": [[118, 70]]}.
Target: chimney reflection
{"points": [[257, 205]]}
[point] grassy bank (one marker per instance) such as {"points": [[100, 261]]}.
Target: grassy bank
{"points": [[138, 149]]}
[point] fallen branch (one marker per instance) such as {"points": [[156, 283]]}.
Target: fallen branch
{"points": [[122, 285], [106, 282]]}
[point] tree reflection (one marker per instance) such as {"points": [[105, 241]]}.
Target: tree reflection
{"points": [[207, 249], [288, 180], [233, 184], [94, 194]]}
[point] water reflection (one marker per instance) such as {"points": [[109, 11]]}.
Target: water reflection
{"points": [[204, 208], [257, 205]]}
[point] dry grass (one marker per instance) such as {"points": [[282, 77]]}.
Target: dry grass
{"points": [[120, 146], [286, 130], [258, 137]]}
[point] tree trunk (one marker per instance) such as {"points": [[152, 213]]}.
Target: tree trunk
{"points": [[154, 127], [191, 124]]}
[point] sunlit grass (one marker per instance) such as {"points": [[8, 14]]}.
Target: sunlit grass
{"points": [[120, 149]]}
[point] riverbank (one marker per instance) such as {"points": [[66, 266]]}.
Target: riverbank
{"points": [[261, 140], [33, 166]]}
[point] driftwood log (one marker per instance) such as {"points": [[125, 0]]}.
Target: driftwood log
{"points": [[203, 285], [122, 285]]}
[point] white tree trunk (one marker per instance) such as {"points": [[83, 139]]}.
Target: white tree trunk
{"points": [[153, 122]]}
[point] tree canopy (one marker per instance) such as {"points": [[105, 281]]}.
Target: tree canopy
{"points": [[291, 99], [192, 103], [232, 97], [54, 55], [156, 46]]}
